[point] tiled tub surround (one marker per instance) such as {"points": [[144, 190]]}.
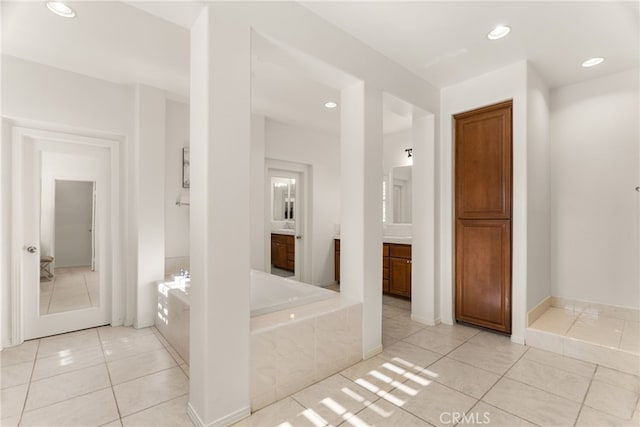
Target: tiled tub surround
{"points": [[300, 333], [296, 347], [606, 335]]}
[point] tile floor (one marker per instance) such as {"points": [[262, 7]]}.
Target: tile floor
{"points": [[591, 327], [426, 376], [71, 288], [101, 376]]}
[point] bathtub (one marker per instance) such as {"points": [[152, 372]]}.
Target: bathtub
{"points": [[300, 334]]}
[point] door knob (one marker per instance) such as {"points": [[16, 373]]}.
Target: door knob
{"points": [[32, 249]]}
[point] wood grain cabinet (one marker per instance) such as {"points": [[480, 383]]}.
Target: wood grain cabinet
{"points": [[396, 268], [283, 251], [400, 270]]}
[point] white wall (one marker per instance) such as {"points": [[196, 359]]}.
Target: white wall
{"points": [[538, 214], [594, 208], [393, 153], [51, 98], [322, 152], [176, 226], [509, 82], [73, 216]]}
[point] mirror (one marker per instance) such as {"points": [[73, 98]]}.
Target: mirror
{"points": [[68, 262], [399, 195], [283, 198]]}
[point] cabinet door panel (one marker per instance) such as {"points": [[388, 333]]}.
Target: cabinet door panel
{"points": [[400, 276], [483, 273], [483, 164]]}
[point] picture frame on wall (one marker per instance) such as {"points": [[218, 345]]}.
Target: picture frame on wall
{"points": [[186, 176]]}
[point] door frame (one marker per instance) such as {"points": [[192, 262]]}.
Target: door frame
{"points": [[304, 250], [19, 134]]}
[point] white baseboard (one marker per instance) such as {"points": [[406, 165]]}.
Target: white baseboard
{"points": [[424, 321], [225, 421], [369, 354]]}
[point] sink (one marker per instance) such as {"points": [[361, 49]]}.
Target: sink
{"points": [[283, 231]]}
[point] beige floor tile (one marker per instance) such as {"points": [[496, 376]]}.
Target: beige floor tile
{"points": [[66, 386], [67, 361], [396, 302], [93, 409], [60, 345], [494, 360], [10, 422], [630, 340], [591, 418], [408, 355], [169, 414], [462, 377], [486, 414], [388, 340], [137, 366], [400, 327], [130, 346], [13, 375], [559, 361], [601, 330], [612, 400], [185, 369], [390, 312], [457, 331], [24, 352], [12, 400], [384, 414], [438, 343], [142, 393], [550, 379], [69, 300], [495, 341], [375, 375], [532, 404], [110, 334], [286, 412], [116, 423], [617, 378], [334, 399], [555, 320], [431, 401]]}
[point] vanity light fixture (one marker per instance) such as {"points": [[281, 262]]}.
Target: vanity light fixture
{"points": [[592, 62], [409, 152], [499, 32], [61, 9], [330, 104]]}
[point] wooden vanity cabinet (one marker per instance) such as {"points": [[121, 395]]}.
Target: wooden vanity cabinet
{"points": [[396, 268], [400, 270], [283, 251]]}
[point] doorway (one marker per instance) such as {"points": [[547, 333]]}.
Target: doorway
{"points": [[483, 200], [285, 220], [65, 238]]}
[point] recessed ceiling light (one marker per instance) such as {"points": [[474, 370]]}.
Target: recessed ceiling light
{"points": [[330, 104], [592, 62], [61, 9], [499, 32]]}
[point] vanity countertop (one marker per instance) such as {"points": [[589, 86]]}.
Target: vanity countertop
{"points": [[285, 231], [402, 240]]}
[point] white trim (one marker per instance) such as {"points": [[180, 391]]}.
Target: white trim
{"points": [[425, 321], [373, 352], [20, 132], [227, 420]]}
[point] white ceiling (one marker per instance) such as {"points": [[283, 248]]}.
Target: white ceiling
{"points": [[130, 42], [445, 42]]}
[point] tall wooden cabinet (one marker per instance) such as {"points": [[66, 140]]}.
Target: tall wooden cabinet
{"points": [[483, 199]]}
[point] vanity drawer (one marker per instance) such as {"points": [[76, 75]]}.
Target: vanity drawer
{"points": [[400, 251]]}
